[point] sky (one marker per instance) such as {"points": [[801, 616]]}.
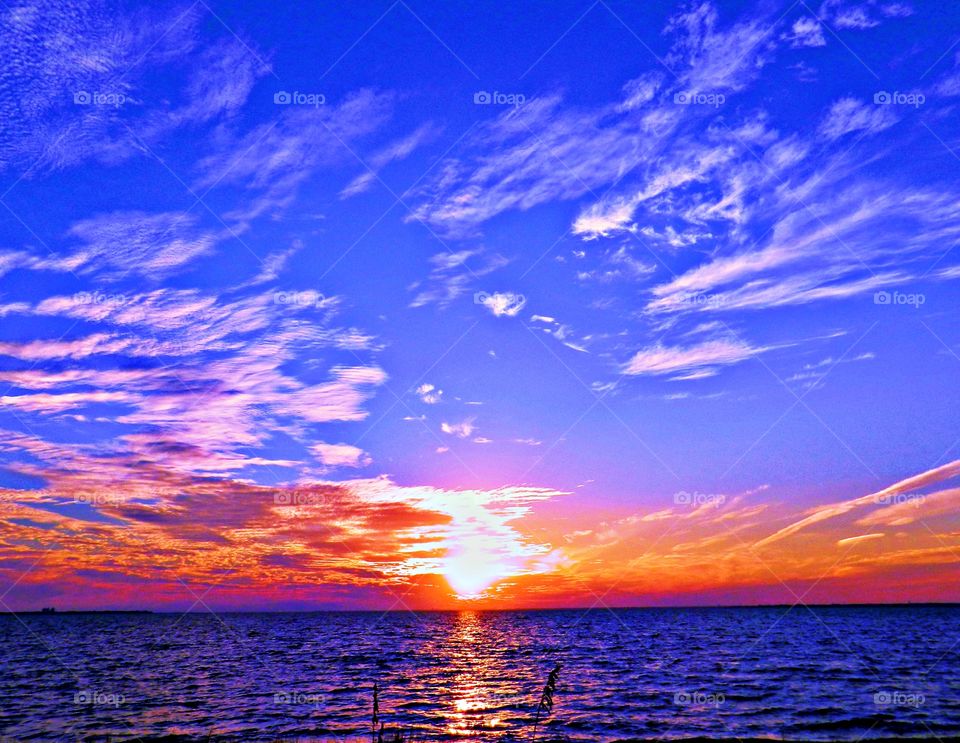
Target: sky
{"points": [[440, 305]]}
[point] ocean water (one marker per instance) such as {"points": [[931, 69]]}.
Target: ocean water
{"points": [[824, 673]]}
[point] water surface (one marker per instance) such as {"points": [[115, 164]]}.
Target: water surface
{"points": [[834, 673]]}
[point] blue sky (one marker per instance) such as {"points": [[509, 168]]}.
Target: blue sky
{"points": [[570, 258]]}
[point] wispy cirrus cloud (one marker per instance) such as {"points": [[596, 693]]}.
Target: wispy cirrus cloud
{"points": [[703, 356], [80, 81], [146, 244], [851, 115], [452, 274], [393, 151], [271, 161], [207, 372], [832, 510], [548, 152], [850, 14]]}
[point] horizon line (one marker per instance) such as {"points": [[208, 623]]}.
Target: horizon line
{"points": [[854, 604]]}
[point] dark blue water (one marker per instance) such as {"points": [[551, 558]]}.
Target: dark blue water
{"points": [[839, 673]]}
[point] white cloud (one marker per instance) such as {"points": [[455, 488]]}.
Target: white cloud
{"points": [[851, 115], [138, 242], [859, 16], [396, 150], [451, 275], [429, 394], [806, 31], [659, 359], [273, 159], [502, 304], [340, 455], [55, 51], [860, 538], [461, 430]]}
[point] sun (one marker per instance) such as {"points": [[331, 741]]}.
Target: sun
{"points": [[471, 568]]}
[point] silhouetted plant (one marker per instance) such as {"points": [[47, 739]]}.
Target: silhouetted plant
{"points": [[546, 699], [384, 734]]}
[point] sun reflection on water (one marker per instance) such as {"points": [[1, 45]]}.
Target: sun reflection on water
{"points": [[482, 691]]}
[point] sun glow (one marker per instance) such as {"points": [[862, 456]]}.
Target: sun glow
{"points": [[471, 568]]}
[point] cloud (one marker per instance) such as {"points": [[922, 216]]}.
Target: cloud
{"points": [[273, 159], [605, 218], [49, 403], [153, 245], [212, 375], [860, 538], [429, 394], [340, 455], [526, 156], [274, 264], [859, 16], [841, 240], [502, 304], [396, 150], [560, 331], [832, 510], [317, 535], [451, 275], [806, 32], [658, 359], [81, 81], [713, 59], [915, 507], [462, 430], [618, 264], [851, 115]]}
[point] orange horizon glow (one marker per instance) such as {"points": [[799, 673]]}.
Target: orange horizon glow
{"points": [[373, 543]]}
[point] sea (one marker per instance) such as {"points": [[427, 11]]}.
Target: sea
{"points": [[817, 673]]}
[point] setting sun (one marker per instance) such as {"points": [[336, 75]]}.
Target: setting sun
{"points": [[363, 365], [471, 568]]}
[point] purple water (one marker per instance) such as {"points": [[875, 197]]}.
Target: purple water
{"points": [[826, 673]]}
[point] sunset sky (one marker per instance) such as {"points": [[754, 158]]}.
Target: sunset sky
{"points": [[434, 305]]}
